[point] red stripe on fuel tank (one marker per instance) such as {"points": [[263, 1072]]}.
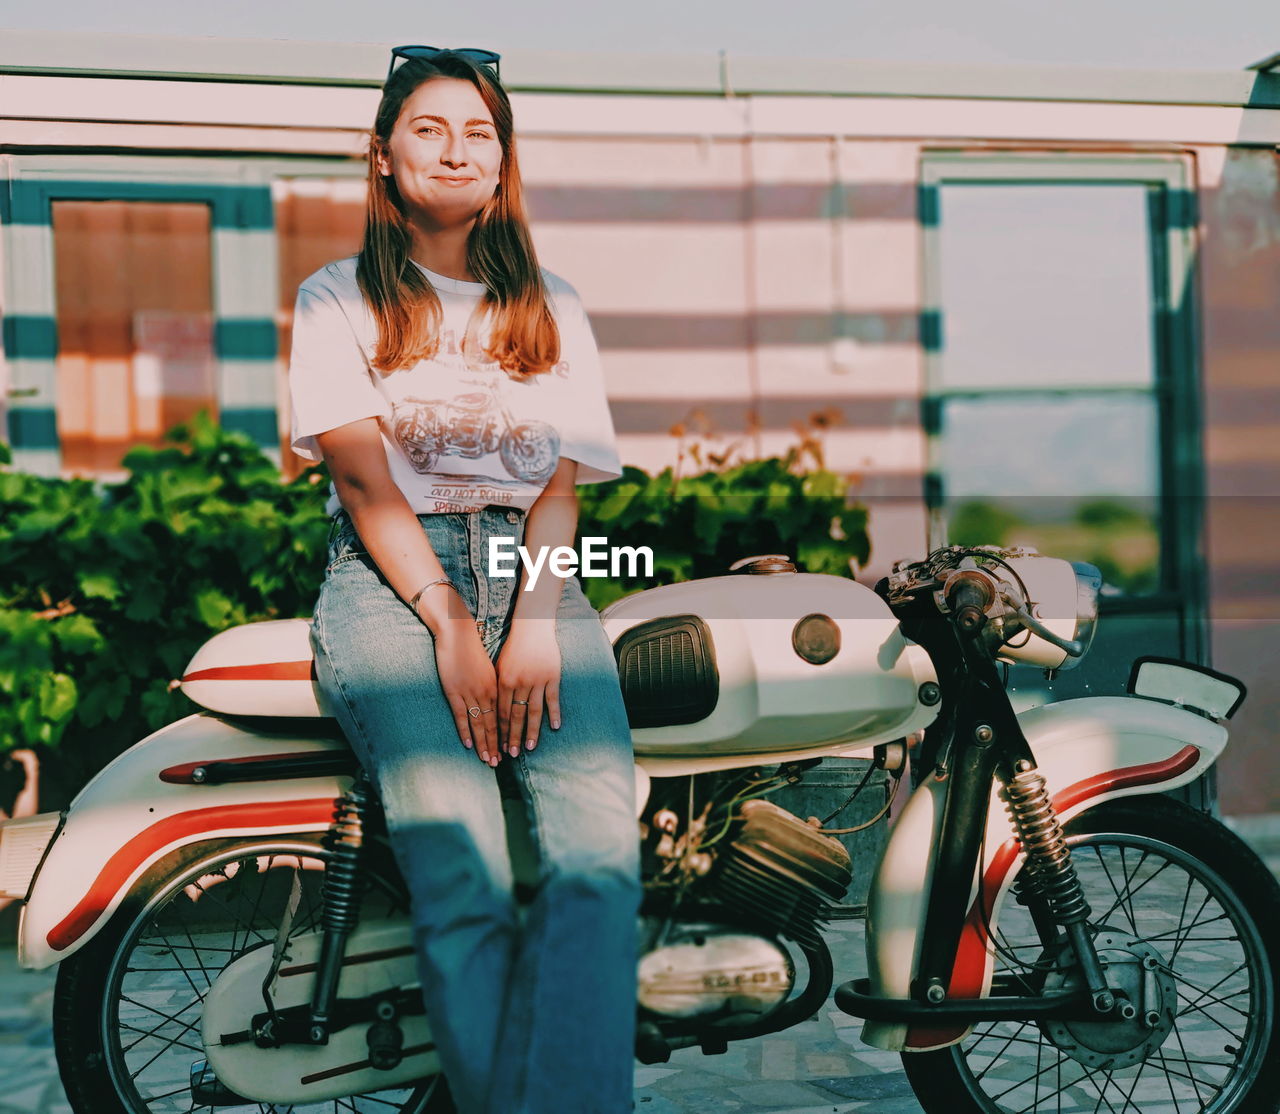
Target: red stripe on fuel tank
{"points": [[118, 869], [263, 671], [970, 968]]}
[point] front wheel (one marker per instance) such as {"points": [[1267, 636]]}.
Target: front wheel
{"points": [[1181, 913], [127, 1006]]}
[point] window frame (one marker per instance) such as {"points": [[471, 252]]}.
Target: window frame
{"points": [[238, 190], [1172, 219]]}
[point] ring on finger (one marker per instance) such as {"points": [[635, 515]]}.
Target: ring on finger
{"points": [[524, 702]]}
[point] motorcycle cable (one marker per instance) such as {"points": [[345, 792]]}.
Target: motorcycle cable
{"points": [[888, 804], [857, 789], [741, 797], [954, 557]]}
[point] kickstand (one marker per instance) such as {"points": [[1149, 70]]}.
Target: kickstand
{"points": [[279, 951]]}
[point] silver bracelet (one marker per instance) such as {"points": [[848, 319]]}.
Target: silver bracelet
{"points": [[413, 603]]}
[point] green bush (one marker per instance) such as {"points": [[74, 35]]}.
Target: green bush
{"points": [[107, 591], [698, 525]]}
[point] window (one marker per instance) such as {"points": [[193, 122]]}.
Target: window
{"points": [[1061, 393], [134, 316]]}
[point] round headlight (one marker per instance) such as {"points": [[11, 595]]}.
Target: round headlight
{"points": [[1088, 586]]}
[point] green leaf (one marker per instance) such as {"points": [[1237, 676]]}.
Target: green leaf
{"points": [[57, 696], [78, 634], [213, 608], [100, 586]]}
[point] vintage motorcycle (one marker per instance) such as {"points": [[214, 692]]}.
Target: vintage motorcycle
{"points": [[472, 426], [1045, 930]]}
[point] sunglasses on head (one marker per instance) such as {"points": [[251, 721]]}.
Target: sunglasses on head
{"points": [[476, 54]]}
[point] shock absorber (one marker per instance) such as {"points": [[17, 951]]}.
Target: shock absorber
{"points": [[1053, 875], [1045, 846], [342, 877], [342, 889]]}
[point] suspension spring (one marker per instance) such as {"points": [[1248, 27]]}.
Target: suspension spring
{"points": [[1049, 864], [343, 878]]}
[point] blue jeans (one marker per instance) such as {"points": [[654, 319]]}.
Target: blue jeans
{"points": [[529, 1018]]}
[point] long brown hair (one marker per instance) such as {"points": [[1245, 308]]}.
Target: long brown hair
{"points": [[523, 336]]}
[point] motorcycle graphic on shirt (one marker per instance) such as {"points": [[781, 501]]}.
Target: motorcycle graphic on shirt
{"points": [[471, 426]]}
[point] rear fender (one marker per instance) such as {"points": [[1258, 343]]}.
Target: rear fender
{"points": [[1090, 750], [127, 818]]}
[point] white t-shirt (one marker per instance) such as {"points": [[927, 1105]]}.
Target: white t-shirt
{"points": [[459, 432]]}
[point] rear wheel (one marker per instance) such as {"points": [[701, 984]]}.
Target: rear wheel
{"points": [[1181, 911], [127, 1006]]}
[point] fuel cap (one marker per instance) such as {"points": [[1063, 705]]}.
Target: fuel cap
{"points": [[763, 564]]}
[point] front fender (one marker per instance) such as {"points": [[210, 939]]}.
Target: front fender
{"points": [[127, 819], [1089, 750]]}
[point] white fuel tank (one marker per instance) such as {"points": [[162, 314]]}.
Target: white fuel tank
{"points": [[749, 664]]}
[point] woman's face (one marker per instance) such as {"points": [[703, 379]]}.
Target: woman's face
{"points": [[443, 152]]}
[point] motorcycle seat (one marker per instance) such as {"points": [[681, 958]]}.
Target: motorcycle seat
{"points": [[268, 669]]}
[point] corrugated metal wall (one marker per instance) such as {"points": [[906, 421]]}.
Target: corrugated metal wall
{"points": [[741, 280], [1240, 279]]}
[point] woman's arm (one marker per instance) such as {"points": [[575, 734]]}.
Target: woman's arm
{"points": [[391, 533], [529, 664]]}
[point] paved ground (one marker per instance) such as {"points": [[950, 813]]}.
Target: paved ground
{"points": [[818, 1067], [28, 1075]]}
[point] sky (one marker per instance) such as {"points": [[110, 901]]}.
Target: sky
{"points": [[1159, 34]]}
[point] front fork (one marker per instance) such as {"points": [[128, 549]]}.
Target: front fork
{"points": [[985, 742]]}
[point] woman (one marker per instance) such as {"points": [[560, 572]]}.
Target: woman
{"points": [[455, 392]]}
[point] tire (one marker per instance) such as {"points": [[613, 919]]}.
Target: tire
{"points": [[1205, 912], [530, 451], [126, 1006]]}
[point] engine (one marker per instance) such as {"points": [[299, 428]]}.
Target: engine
{"points": [[767, 875], [779, 874]]}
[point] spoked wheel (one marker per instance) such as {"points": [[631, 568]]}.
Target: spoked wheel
{"points": [[127, 1007], [1181, 913]]}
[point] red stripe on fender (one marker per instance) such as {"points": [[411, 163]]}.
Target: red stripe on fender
{"points": [[118, 868], [181, 774], [1130, 776], [971, 954], [263, 671]]}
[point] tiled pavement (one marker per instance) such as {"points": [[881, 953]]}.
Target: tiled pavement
{"points": [[817, 1067], [29, 1081]]}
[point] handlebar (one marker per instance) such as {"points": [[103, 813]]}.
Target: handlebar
{"points": [[969, 594], [1074, 649]]}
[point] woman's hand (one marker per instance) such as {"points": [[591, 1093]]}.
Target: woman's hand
{"points": [[469, 681], [528, 683]]}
